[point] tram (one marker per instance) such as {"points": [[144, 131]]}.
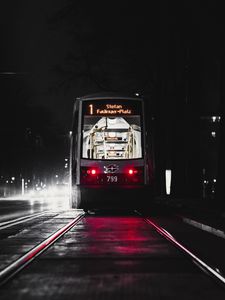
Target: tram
{"points": [[111, 161]]}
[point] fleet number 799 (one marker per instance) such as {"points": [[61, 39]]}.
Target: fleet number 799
{"points": [[112, 179]]}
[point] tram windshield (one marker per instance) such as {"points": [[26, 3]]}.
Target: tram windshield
{"points": [[113, 132]]}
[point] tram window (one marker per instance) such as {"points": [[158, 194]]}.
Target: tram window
{"points": [[114, 137]]}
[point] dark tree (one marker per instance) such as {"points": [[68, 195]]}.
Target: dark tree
{"points": [[110, 48]]}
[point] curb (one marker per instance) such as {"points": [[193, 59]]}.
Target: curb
{"points": [[204, 227]]}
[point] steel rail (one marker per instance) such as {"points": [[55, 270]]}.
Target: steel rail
{"points": [[7, 224], [27, 258], [213, 272]]}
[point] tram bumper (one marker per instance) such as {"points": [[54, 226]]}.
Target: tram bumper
{"points": [[128, 196]]}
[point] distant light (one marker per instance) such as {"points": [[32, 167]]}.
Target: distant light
{"points": [[70, 133], [22, 181], [213, 133], [215, 119], [66, 159], [13, 178], [56, 176], [7, 181], [137, 94], [168, 181], [214, 180], [131, 171]]}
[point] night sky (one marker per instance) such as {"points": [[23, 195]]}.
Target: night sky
{"points": [[62, 49], [59, 50]]}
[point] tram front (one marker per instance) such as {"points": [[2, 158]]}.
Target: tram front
{"points": [[112, 163]]}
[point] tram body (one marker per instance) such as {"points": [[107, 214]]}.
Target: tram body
{"points": [[110, 161]]}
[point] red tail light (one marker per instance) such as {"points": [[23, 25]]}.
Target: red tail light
{"points": [[89, 175], [91, 171], [134, 175], [94, 175], [132, 171]]}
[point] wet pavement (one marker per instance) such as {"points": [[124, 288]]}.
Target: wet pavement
{"points": [[207, 246], [107, 256], [18, 240]]}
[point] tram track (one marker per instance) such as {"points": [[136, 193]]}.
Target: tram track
{"points": [[13, 222], [202, 265], [11, 270], [15, 267]]}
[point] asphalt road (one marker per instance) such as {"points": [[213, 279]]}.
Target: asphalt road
{"points": [[18, 207]]}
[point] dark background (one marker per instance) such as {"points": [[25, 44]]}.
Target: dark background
{"points": [[170, 52]]}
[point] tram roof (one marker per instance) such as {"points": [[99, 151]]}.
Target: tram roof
{"points": [[109, 95]]}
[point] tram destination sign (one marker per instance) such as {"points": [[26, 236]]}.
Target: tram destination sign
{"points": [[96, 108]]}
